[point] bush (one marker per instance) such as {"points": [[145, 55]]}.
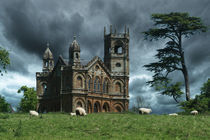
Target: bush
{"points": [[201, 103]]}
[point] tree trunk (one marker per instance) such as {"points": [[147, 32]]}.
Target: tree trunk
{"points": [[184, 70], [186, 79]]}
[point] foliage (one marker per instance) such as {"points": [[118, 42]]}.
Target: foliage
{"points": [[172, 27], [99, 126], [4, 106], [29, 100], [201, 102], [4, 59]]}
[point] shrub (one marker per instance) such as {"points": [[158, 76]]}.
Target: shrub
{"points": [[201, 103]]}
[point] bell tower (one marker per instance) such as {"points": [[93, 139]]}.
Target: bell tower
{"points": [[116, 51], [48, 62], [74, 53]]}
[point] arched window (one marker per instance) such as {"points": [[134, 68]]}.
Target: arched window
{"points": [[118, 87], [105, 86], [77, 56], [46, 64], [97, 84], [79, 82], [44, 87], [89, 82], [118, 49]]}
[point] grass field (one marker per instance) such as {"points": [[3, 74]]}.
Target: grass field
{"points": [[104, 126]]}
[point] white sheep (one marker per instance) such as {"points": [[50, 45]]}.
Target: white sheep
{"points": [[73, 114], [80, 111], [145, 110], [194, 112], [33, 113], [173, 114]]}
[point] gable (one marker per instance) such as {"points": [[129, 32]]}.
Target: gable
{"points": [[97, 66]]}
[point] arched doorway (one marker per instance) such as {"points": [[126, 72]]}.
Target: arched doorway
{"points": [[106, 107], [97, 107], [118, 107], [89, 107]]}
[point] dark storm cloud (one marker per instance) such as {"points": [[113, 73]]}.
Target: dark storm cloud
{"points": [[31, 27]]}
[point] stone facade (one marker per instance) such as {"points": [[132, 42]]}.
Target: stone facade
{"points": [[98, 86]]}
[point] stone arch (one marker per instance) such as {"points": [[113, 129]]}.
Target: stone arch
{"points": [[79, 81], [106, 107], [118, 107], [79, 102], [97, 107], [118, 86], [89, 107]]}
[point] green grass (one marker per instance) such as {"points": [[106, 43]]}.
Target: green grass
{"points": [[104, 126]]}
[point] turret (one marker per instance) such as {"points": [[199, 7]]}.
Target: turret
{"points": [[74, 53], [48, 61]]}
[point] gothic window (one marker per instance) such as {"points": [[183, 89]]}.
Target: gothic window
{"points": [[79, 82], [44, 86], [118, 87], [118, 49], [77, 56], [46, 64], [88, 83], [105, 87], [97, 84]]}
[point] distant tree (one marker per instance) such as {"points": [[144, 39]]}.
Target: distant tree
{"points": [[29, 100], [4, 60], [173, 27], [200, 102], [4, 106], [138, 103]]}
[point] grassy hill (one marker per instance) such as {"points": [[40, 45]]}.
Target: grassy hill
{"points": [[104, 126]]}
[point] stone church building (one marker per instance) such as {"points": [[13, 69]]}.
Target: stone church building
{"points": [[98, 86]]}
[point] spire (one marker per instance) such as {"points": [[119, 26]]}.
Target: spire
{"points": [[74, 45], [48, 54]]}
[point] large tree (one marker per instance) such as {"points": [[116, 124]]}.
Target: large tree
{"points": [[4, 60], [29, 100], [172, 27]]}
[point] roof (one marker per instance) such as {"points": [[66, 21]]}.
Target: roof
{"points": [[47, 54]]}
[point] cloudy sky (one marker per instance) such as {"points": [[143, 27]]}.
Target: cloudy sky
{"points": [[26, 26]]}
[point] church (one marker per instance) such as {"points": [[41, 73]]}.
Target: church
{"points": [[97, 86]]}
